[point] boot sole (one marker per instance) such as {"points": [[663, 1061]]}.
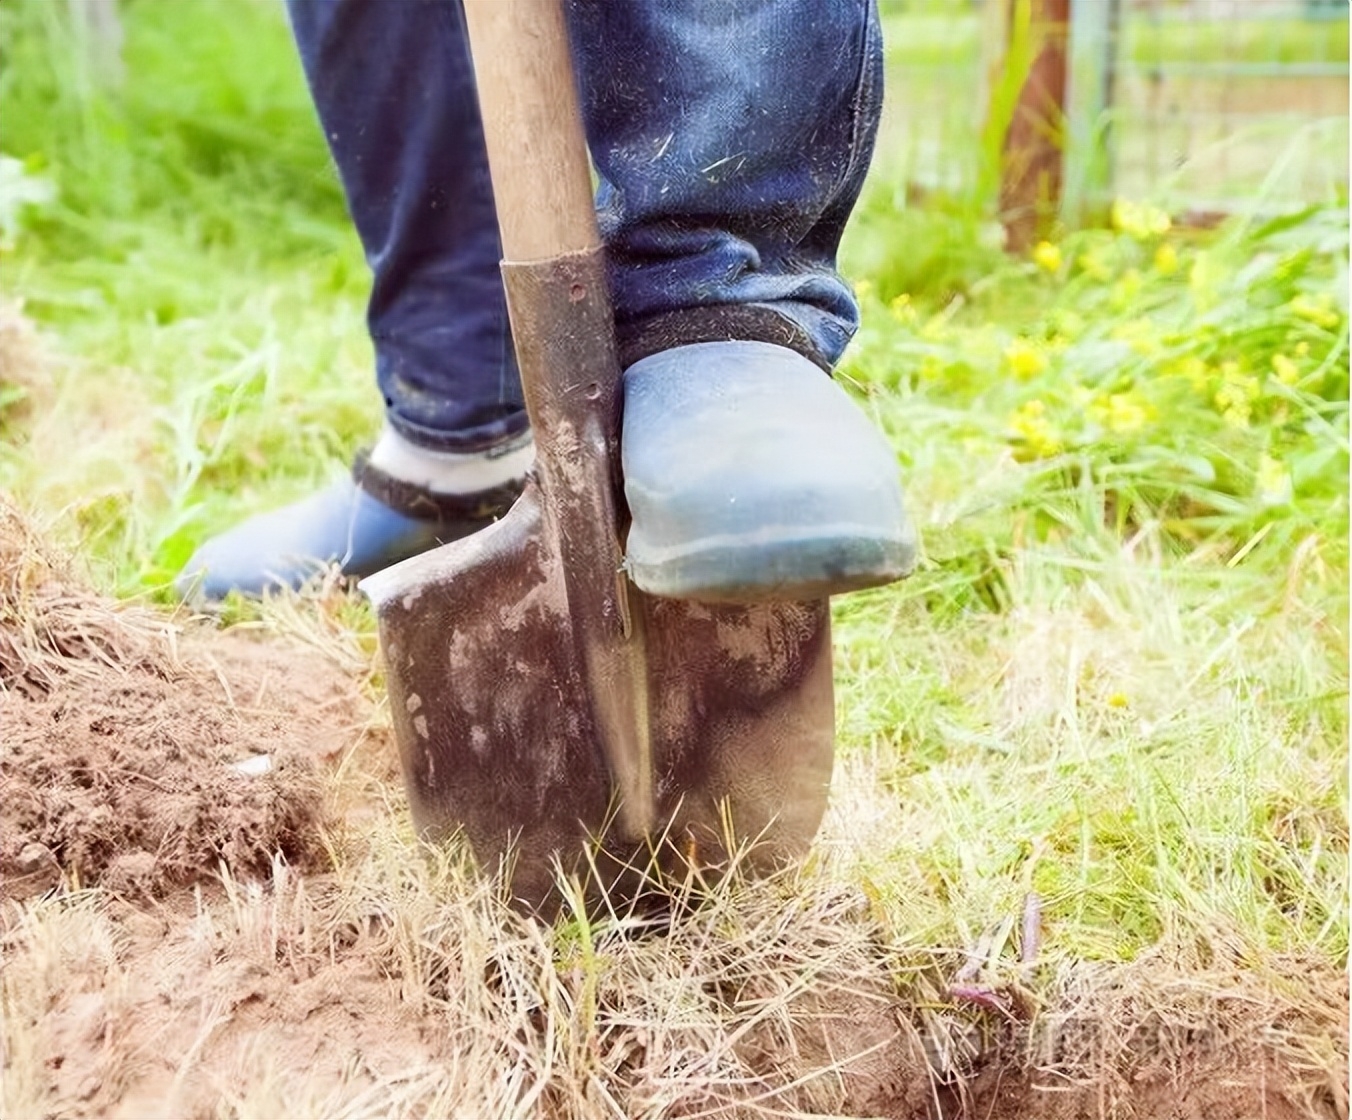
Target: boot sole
{"points": [[773, 565]]}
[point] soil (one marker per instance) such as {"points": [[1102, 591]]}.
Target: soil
{"points": [[132, 779], [228, 967], [1208, 1094], [141, 755]]}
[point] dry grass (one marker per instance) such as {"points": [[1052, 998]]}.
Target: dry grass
{"points": [[399, 985], [53, 626], [1176, 1012]]}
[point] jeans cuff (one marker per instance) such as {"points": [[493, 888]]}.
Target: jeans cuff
{"points": [[727, 322]]}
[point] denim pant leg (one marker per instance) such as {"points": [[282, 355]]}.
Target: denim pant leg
{"points": [[394, 88], [732, 138]]}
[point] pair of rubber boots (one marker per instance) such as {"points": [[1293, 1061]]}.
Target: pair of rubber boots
{"points": [[748, 472]]}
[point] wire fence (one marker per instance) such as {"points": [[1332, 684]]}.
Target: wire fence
{"points": [[1199, 105]]}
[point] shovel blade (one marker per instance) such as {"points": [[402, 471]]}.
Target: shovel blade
{"points": [[742, 715], [497, 723]]}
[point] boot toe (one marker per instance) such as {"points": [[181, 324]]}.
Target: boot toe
{"points": [[751, 475], [285, 547]]}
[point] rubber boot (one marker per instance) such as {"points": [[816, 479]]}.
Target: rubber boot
{"points": [[751, 475], [363, 523]]}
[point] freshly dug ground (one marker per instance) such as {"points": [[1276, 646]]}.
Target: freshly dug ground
{"points": [[140, 755], [185, 937]]}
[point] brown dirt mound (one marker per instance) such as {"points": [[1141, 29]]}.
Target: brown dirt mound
{"points": [[123, 733]]}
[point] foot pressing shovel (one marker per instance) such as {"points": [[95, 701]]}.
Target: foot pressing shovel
{"points": [[541, 702]]}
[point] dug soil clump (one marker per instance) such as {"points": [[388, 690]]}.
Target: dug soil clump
{"points": [[141, 754]]}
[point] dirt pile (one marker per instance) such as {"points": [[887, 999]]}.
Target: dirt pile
{"points": [[141, 754], [396, 989]]}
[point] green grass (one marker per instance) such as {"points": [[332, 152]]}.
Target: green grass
{"points": [[932, 39], [197, 262], [1118, 679]]}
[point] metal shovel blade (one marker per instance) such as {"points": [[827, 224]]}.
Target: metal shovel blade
{"points": [[497, 727], [541, 702]]}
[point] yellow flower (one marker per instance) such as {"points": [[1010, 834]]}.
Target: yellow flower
{"points": [[934, 329], [1288, 373], [1236, 395], [1047, 256], [1139, 334], [1166, 259], [1126, 413], [1067, 324], [1139, 220], [1196, 372], [1118, 700], [1318, 311], [1204, 277], [1127, 288], [901, 307], [1094, 266], [1034, 431], [1026, 359], [1273, 481], [1122, 413]]}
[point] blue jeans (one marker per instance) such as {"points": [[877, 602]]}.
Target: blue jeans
{"points": [[731, 138]]}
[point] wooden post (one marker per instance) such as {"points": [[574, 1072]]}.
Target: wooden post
{"points": [[1032, 160]]}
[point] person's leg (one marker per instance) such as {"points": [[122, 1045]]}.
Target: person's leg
{"points": [[394, 89], [732, 140]]}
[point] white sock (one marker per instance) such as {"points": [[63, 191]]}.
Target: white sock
{"points": [[451, 472]]}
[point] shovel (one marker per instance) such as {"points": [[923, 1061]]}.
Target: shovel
{"points": [[543, 706]]}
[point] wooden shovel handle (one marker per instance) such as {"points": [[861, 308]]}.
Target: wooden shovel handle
{"points": [[537, 151], [563, 328]]}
